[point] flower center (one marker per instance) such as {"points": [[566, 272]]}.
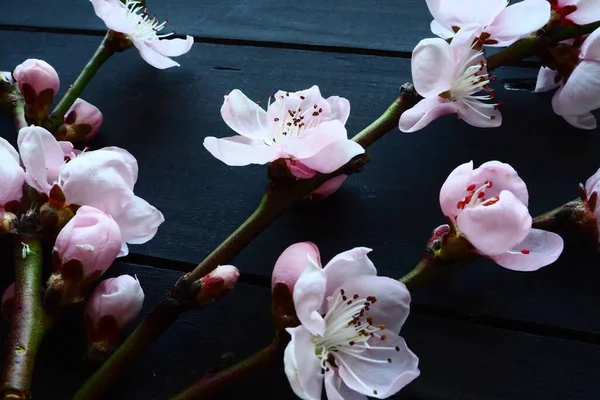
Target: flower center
{"points": [[348, 328], [470, 79], [294, 115], [146, 28], [477, 197]]}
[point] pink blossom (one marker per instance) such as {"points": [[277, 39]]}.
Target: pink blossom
{"points": [[102, 178], [12, 176], [352, 353], [578, 93], [81, 122], [592, 189], [300, 126], [292, 262], [494, 23], [489, 207], [217, 284], [449, 76], [131, 19], [35, 76], [118, 298], [578, 12], [91, 238], [328, 188]]}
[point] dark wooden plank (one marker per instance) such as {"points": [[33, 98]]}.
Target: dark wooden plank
{"points": [[392, 206], [458, 360], [379, 25]]}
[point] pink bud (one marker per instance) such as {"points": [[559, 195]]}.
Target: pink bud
{"points": [[114, 303], [217, 284], [292, 262], [91, 240], [301, 171], [81, 123], [34, 76]]}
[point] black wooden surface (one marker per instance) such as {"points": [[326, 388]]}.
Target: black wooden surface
{"points": [[484, 333]]}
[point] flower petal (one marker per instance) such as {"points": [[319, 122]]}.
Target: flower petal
{"points": [[584, 121], [12, 175], [314, 140], [441, 30], [540, 248], [432, 67], [334, 156], [42, 157], [292, 262], [172, 47], [153, 57], [244, 116], [139, 221], [468, 12], [348, 265], [239, 151], [340, 108], [498, 227], [581, 93], [519, 20], [454, 188], [546, 80], [309, 294], [302, 366], [593, 184], [479, 114], [376, 379], [588, 11], [393, 299], [336, 389], [502, 177], [114, 15], [425, 111], [331, 186]]}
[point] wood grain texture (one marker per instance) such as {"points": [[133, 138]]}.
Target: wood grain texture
{"points": [[163, 116], [378, 25], [457, 360]]}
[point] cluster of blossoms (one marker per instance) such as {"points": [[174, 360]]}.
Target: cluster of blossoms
{"points": [[453, 77]]}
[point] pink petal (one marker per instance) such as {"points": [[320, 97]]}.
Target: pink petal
{"points": [[340, 108], [379, 380], [479, 114], [336, 389], [239, 151], [498, 227], [347, 265], [302, 366], [331, 186], [441, 30], [153, 57], [432, 67], [423, 113], [546, 80], [299, 170], [584, 121], [244, 116], [139, 221], [588, 11], [114, 15], [393, 299], [454, 188], [124, 157], [590, 49], [292, 262], [581, 93], [309, 294], [468, 12], [519, 20], [543, 249], [503, 177], [12, 175], [333, 156], [314, 140], [42, 157], [593, 183], [172, 47]]}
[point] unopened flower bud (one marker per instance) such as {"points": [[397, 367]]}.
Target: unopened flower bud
{"points": [[8, 221], [114, 303], [8, 302], [84, 249], [216, 284], [81, 122], [38, 83]]}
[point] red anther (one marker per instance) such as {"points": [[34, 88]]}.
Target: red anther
{"points": [[525, 251], [471, 187]]}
